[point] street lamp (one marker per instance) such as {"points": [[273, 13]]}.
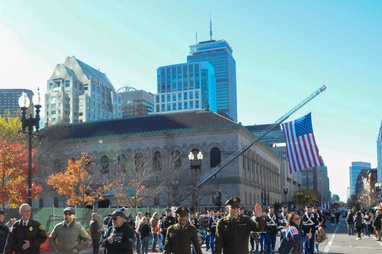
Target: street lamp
{"points": [[196, 164], [285, 189], [29, 123]]}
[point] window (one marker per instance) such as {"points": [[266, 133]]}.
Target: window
{"points": [[157, 161], [104, 164], [139, 161], [215, 157], [122, 163], [176, 163]]}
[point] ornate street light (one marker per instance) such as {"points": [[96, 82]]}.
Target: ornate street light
{"points": [[28, 125], [285, 189], [196, 164]]}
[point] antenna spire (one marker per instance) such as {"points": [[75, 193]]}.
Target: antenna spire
{"points": [[210, 27]]}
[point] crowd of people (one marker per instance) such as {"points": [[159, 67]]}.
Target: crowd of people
{"points": [[364, 222], [227, 231]]}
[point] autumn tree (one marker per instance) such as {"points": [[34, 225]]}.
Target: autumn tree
{"points": [[80, 183], [14, 159], [135, 179], [9, 129]]}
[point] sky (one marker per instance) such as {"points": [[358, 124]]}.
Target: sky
{"points": [[284, 51]]}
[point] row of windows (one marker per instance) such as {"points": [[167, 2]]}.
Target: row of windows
{"points": [[181, 96], [163, 107], [140, 162]]}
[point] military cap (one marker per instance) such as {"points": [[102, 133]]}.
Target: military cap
{"points": [[167, 210], [70, 210], [2, 212], [314, 207], [117, 213], [242, 207], [285, 206], [271, 206], [308, 206], [233, 202], [182, 211]]}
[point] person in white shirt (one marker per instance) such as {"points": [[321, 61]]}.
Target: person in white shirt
{"points": [[137, 235]]}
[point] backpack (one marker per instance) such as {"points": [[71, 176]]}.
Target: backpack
{"points": [[287, 246]]}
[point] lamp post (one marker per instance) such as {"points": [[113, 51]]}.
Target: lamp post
{"points": [[28, 125], [285, 189], [196, 164]]}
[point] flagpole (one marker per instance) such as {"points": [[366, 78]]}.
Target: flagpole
{"points": [[236, 154]]}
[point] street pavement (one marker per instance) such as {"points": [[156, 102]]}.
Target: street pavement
{"points": [[339, 242]]}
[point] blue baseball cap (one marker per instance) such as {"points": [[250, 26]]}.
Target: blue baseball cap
{"points": [[117, 213]]}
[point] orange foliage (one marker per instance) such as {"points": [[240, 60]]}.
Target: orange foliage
{"points": [[14, 174], [77, 184]]}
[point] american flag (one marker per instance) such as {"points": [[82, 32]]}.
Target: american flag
{"points": [[301, 145]]}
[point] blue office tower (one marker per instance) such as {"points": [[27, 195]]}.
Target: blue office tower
{"points": [[219, 55], [185, 86], [354, 171]]}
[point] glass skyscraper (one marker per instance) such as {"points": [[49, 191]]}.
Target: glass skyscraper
{"points": [[185, 86], [219, 55], [354, 170]]}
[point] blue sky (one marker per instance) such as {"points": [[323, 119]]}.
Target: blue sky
{"points": [[284, 51]]}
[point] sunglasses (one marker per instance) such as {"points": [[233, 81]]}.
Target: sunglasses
{"points": [[298, 218]]}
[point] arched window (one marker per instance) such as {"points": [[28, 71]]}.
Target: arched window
{"points": [[122, 162], [157, 161], [104, 164], [215, 157], [138, 161], [89, 164], [176, 163]]}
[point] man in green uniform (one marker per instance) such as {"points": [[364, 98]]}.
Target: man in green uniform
{"points": [[181, 235], [233, 230], [27, 234]]}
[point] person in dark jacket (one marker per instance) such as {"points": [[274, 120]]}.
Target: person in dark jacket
{"points": [[95, 232], [144, 233], [377, 224], [119, 238], [350, 222], [27, 235], [358, 224], [233, 230], [4, 231]]}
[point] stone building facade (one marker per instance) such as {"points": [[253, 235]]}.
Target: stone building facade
{"points": [[254, 176]]}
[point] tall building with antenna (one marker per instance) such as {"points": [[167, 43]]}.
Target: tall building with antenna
{"points": [[219, 55]]}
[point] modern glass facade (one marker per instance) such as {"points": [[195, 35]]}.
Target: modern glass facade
{"points": [[186, 86], [219, 55], [354, 171], [9, 100]]}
